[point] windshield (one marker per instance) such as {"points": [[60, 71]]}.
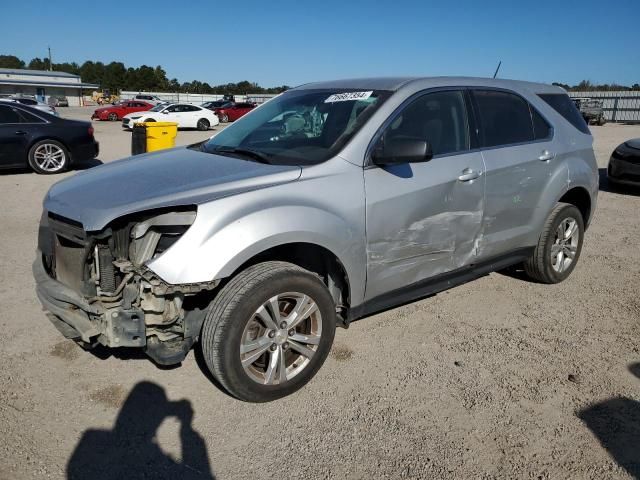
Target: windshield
{"points": [[158, 108], [299, 127]]}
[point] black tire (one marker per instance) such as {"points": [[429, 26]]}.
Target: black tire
{"points": [[540, 266], [235, 305], [224, 118], [113, 117], [35, 164], [203, 125]]}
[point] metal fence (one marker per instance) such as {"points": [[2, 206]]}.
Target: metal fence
{"points": [[197, 98], [620, 106]]}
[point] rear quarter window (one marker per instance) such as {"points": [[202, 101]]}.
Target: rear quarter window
{"points": [[562, 104]]}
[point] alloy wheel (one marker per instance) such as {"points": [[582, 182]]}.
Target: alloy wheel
{"points": [[565, 245], [49, 157], [281, 338]]}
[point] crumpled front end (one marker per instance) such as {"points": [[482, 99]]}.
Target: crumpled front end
{"points": [[97, 289]]}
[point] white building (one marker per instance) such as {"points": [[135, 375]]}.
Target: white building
{"points": [[43, 84]]}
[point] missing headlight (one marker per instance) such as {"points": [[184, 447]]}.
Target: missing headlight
{"points": [[153, 236]]}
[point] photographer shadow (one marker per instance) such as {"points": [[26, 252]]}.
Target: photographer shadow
{"points": [[130, 449], [616, 425]]}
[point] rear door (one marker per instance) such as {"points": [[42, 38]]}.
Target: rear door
{"points": [[14, 137], [518, 159], [423, 219]]}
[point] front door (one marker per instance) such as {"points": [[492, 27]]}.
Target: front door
{"points": [[424, 219]]}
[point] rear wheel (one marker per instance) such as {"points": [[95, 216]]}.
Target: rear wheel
{"points": [[113, 117], [559, 247], [268, 331], [48, 156], [203, 124], [224, 118]]}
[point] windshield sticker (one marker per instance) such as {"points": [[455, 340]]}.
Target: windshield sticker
{"points": [[348, 96]]}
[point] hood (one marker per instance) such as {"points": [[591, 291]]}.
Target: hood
{"points": [[179, 176]]}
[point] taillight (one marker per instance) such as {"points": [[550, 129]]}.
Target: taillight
{"points": [[91, 131]]}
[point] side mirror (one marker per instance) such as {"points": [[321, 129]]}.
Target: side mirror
{"points": [[165, 112], [401, 150]]}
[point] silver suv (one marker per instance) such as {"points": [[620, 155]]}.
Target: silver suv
{"points": [[326, 204]]}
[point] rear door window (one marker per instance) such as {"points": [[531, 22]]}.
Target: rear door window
{"points": [[28, 117], [9, 115], [562, 104], [505, 118]]}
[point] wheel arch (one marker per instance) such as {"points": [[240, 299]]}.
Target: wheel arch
{"points": [[580, 198], [313, 257]]}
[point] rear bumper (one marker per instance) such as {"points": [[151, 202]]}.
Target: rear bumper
{"points": [[84, 152]]}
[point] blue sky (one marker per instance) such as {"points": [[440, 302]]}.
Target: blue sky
{"points": [[292, 42]]}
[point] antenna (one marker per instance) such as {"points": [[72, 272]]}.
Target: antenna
{"points": [[497, 69]]}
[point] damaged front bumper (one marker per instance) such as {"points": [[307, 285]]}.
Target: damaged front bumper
{"points": [[118, 322]]}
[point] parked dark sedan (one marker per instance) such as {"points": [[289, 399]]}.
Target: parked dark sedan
{"points": [[46, 143], [624, 164]]}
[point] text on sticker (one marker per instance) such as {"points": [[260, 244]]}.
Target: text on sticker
{"points": [[348, 96]]}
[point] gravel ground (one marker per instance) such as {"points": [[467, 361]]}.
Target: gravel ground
{"points": [[499, 378]]}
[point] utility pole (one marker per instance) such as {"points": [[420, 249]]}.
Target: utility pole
{"points": [[50, 64]]}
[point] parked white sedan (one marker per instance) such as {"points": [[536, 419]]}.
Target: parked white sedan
{"points": [[185, 115]]}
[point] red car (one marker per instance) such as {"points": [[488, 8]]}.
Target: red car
{"points": [[233, 111], [119, 110]]}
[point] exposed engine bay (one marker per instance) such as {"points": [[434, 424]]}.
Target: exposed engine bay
{"points": [[130, 305]]}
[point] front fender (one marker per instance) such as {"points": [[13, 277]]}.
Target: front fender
{"points": [[230, 231]]}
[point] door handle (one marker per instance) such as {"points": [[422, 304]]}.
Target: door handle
{"points": [[546, 156], [21, 132], [468, 174]]}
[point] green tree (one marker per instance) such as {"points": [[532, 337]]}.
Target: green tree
{"points": [[39, 64], [10, 61]]}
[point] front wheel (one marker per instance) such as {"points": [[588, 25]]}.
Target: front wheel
{"points": [[224, 118], [268, 331], [559, 247], [113, 117]]}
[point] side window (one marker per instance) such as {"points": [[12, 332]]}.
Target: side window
{"points": [[541, 128], [562, 104], [174, 108], [504, 118], [28, 117], [9, 115], [440, 118]]}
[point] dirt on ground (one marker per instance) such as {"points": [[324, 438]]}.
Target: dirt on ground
{"points": [[498, 378]]}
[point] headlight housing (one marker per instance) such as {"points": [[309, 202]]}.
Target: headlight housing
{"points": [[151, 237]]}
